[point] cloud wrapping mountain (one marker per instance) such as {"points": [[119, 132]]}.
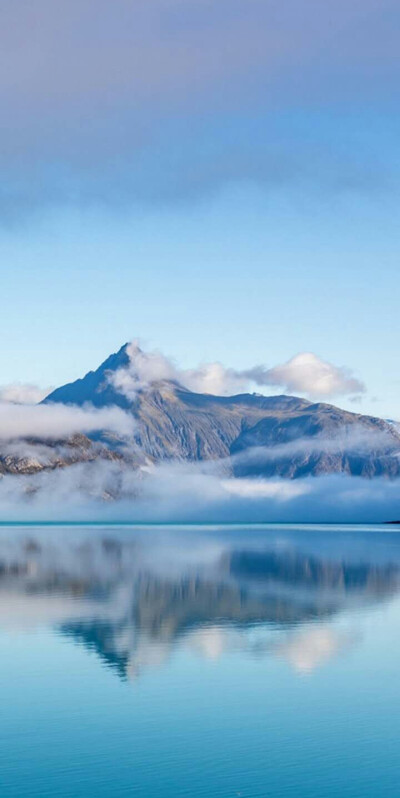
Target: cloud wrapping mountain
{"points": [[257, 435], [131, 440], [58, 421], [304, 374]]}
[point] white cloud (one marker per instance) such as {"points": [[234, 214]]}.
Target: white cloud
{"points": [[193, 493], [214, 378], [305, 373], [23, 393], [57, 421], [348, 439], [148, 368], [145, 368], [263, 489]]}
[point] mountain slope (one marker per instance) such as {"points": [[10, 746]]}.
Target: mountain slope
{"points": [[278, 435], [94, 387]]}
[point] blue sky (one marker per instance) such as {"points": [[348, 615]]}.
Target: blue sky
{"points": [[218, 179]]}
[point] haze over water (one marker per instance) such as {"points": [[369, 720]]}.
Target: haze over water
{"points": [[177, 661]]}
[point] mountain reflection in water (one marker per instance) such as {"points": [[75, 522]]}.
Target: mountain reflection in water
{"points": [[132, 596]]}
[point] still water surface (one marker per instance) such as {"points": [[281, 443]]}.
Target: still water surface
{"points": [[224, 662]]}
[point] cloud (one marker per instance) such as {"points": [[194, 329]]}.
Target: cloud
{"points": [[214, 378], [145, 368], [23, 393], [193, 493], [57, 421], [167, 52], [127, 101], [279, 490], [347, 440], [304, 374], [308, 374]]}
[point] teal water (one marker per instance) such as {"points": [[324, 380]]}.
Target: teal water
{"points": [[199, 662]]}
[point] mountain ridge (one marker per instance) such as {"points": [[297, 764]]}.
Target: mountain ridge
{"points": [[293, 436]]}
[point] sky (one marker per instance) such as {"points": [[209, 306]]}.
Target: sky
{"points": [[218, 178]]}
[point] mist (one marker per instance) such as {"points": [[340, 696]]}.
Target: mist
{"points": [[58, 421], [192, 493]]}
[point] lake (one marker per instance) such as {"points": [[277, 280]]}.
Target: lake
{"points": [[247, 661]]}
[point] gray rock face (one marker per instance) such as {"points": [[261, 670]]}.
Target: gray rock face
{"points": [[34, 456], [278, 435]]}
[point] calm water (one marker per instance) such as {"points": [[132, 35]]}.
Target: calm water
{"points": [[186, 662]]}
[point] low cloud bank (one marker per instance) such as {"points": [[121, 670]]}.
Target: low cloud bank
{"points": [[192, 493], [348, 440], [304, 373], [57, 421], [23, 393]]}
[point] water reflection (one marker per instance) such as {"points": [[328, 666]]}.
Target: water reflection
{"points": [[133, 596]]}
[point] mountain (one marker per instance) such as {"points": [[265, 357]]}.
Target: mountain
{"points": [[256, 435]]}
